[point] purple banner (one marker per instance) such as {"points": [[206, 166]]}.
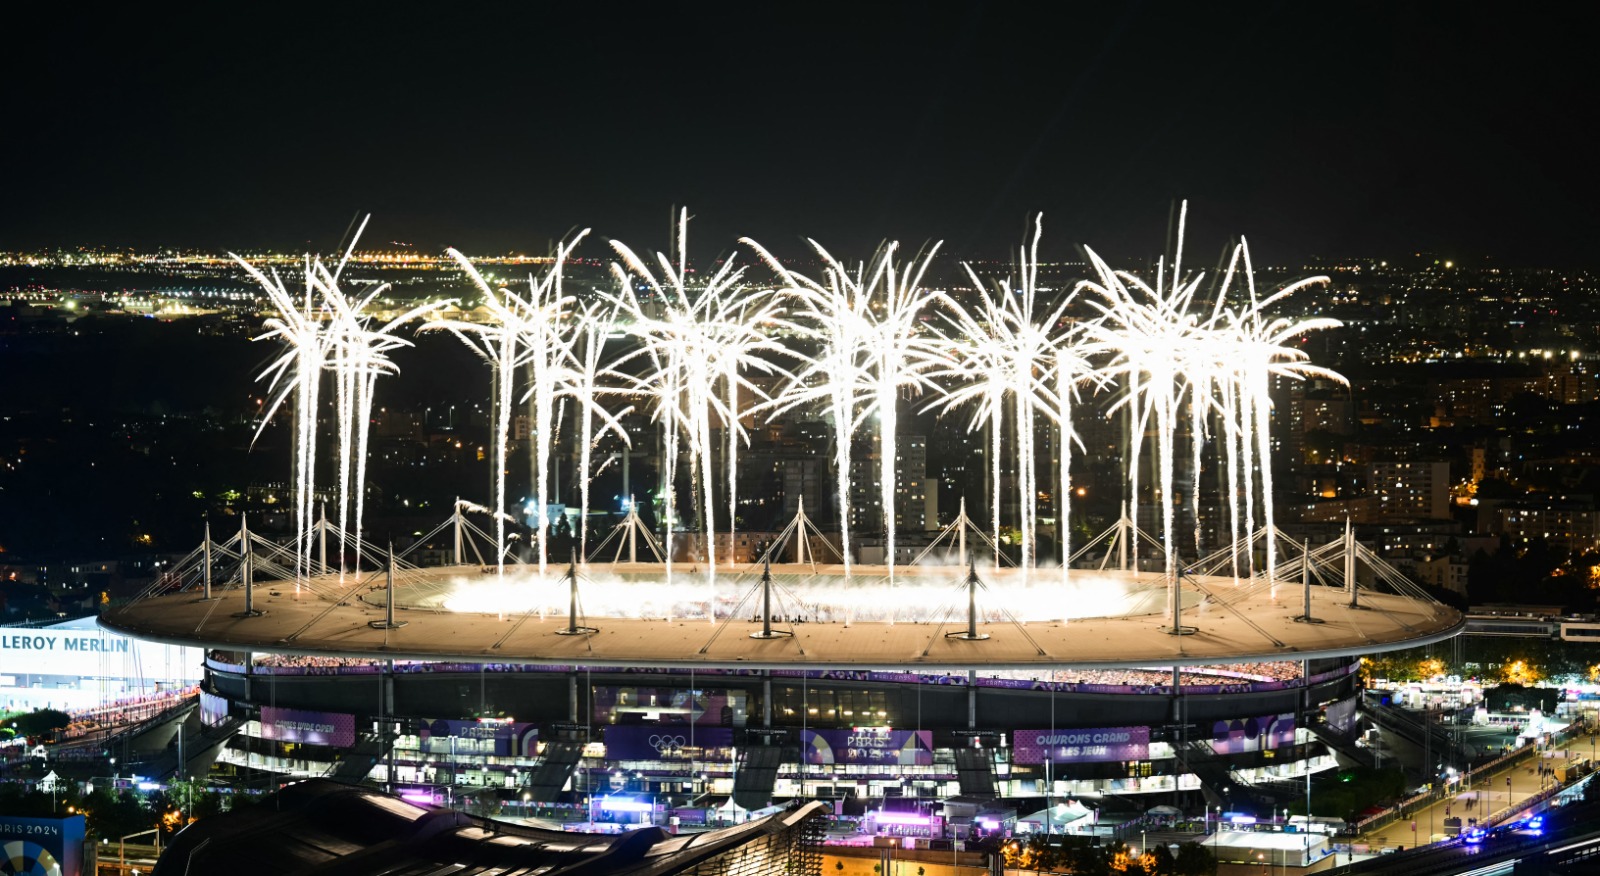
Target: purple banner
{"points": [[868, 745], [315, 728], [1094, 745], [647, 742], [1342, 715], [213, 709], [510, 738], [1252, 734]]}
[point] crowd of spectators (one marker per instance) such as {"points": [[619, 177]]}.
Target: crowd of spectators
{"points": [[1276, 670], [114, 715], [1218, 674], [1222, 673], [308, 664], [317, 661]]}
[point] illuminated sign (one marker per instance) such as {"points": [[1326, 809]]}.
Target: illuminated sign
{"points": [[671, 742], [1094, 745], [610, 804], [509, 738], [315, 728], [868, 745], [1252, 734], [52, 846]]}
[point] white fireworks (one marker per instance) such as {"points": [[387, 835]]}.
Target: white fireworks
{"points": [[1223, 363], [869, 334], [695, 337], [1005, 350], [872, 348], [327, 331]]}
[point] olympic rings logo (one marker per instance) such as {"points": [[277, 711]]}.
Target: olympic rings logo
{"points": [[666, 745]]}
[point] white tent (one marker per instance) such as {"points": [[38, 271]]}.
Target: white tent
{"points": [[731, 811]]}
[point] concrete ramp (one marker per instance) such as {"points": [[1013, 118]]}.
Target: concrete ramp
{"points": [[370, 748], [757, 776], [975, 772], [554, 771]]}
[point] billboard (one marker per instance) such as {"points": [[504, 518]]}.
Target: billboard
{"points": [[1252, 734], [634, 742], [1093, 745], [313, 728], [868, 745], [506, 738], [49, 846], [76, 665]]}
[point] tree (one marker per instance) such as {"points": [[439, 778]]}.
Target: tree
{"points": [[1087, 860], [1194, 859], [116, 816], [40, 722], [1161, 861]]}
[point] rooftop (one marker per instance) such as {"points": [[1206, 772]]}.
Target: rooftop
{"points": [[1232, 621]]}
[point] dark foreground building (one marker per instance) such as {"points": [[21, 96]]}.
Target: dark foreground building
{"points": [[324, 828]]}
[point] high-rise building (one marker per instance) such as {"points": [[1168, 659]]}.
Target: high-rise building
{"points": [[1406, 490]]}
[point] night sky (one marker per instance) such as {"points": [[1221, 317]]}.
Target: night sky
{"points": [[1315, 129]]}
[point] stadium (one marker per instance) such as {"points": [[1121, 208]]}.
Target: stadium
{"points": [[939, 692], [952, 719]]}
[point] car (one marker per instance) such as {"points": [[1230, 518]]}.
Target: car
{"points": [[1474, 835], [1533, 825]]}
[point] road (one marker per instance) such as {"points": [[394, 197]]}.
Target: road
{"points": [[1570, 840], [1486, 795]]}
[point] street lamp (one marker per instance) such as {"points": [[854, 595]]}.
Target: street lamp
{"points": [[1049, 824]]}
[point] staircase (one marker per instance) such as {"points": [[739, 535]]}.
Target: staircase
{"points": [[553, 771], [358, 762], [975, 772], [757, 776]]}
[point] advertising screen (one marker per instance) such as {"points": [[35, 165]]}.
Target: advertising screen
{"points": [[868, 745], [669, 743], [42, 845], [1252, 734], [505, 738], [1094, 745], [315, 728]]}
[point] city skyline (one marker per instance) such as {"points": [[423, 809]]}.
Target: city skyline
{"points": [[1400, 130], [1146, 438]]}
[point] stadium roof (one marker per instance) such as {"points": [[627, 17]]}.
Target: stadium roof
{"points": [[1230, 624]]}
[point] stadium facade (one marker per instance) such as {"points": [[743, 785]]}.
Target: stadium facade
{"points": [[631, 719]]}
